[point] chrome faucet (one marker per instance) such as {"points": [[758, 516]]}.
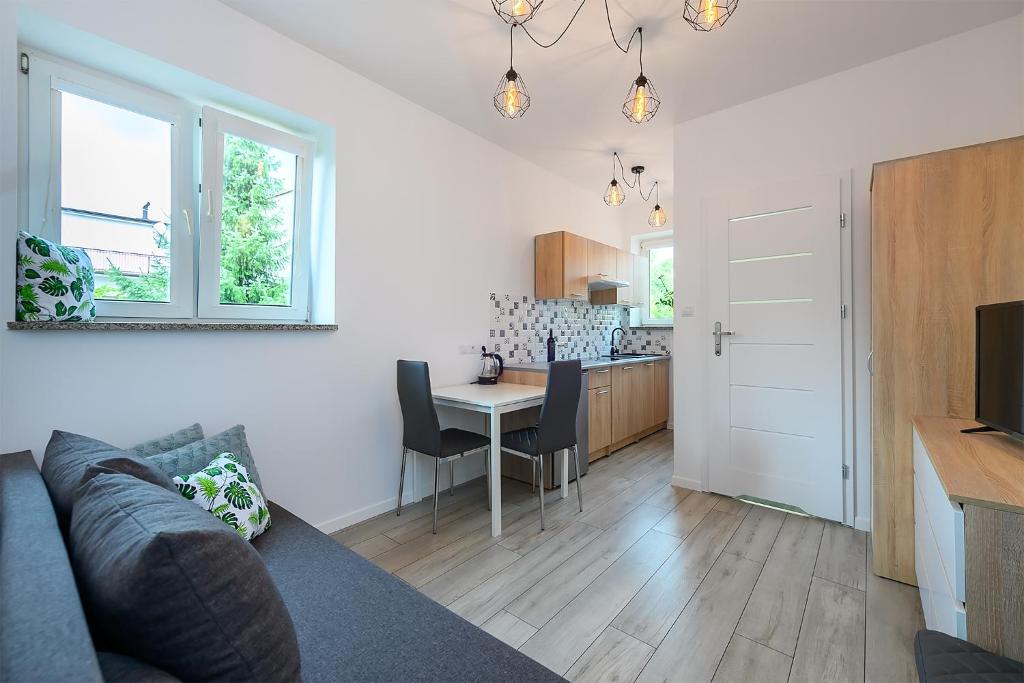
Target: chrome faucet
{"points": [[615, 351]]}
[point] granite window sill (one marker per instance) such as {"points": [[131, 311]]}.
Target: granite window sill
{"points": [[167, 326]]}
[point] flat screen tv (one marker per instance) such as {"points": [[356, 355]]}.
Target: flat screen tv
{"points": [[999, 347]]}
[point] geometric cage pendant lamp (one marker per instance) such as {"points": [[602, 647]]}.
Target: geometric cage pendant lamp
{"points": [[642, 101], [615, 194]]}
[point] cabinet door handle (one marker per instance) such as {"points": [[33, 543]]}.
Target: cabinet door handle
{"points": [[602, 371], [628, 367], [649, 364], [602, 392]]}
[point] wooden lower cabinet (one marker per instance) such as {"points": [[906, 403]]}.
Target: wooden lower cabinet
{"points": [[625, 394], [600, 421], [639, 401], [661, 385]]}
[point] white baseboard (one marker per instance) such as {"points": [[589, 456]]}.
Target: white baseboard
{"points": [[687, 483], [348, 519], [862, 523]]}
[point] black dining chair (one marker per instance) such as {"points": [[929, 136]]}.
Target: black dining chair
{"points": [[556, 429], [422, 432]]}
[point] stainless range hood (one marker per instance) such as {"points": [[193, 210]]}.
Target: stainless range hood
{"points": [[607, 283]]}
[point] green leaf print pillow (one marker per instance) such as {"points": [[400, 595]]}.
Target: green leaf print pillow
{"points": [[223, 489], [54, 282]]}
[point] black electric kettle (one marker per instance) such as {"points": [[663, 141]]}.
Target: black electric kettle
{"points": [[492, 368]]}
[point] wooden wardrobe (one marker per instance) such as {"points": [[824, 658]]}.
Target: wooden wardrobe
{"points": [[947, 234]]}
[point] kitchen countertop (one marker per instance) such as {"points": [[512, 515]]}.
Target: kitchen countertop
{"points": [[588, 363]]}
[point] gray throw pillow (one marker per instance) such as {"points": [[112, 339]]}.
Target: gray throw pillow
{"points": [[168, 442], [67, 458], [197, 455], [177, 588]]}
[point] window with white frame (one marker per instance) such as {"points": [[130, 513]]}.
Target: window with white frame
{"points": [[185, 213], [660, 307]]}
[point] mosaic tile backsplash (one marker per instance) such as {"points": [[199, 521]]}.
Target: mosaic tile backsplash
{"points": [[520, 324]]}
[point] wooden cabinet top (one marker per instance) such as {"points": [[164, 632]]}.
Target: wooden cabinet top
{"points": [[985, 469]]}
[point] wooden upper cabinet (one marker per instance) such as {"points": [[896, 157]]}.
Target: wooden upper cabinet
{"points": [[600, 261], [625, 270], [560, 266]]}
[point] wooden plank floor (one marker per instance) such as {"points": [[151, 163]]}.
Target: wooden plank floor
{"points": [[653, 582]]}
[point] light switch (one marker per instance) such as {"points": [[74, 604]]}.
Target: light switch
{"points": [[688, 312]]}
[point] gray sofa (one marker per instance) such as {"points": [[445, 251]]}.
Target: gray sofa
{"points": [[353, 621]]}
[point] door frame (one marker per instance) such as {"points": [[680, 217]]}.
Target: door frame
{"points": [[843, 223]]}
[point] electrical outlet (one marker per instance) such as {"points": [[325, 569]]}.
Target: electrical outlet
{"points": [[688, 312], [469, 349]]}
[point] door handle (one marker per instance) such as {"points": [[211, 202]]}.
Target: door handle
{"points": [[871, 363], [718, 333]]}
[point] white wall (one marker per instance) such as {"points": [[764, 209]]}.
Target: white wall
{"points": [[965, 89], [430, 218]]}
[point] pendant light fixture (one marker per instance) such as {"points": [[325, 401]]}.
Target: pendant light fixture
{"points": [[511, 99], [516, 11], [642, 101], [707, 15], [615, 195], [658, 217]]}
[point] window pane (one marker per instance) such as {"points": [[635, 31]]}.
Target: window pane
{"points": [[115, 185], [257, 223], [662, 288]]}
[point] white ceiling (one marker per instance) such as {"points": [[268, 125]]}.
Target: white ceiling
{"points": [[448, 56]]}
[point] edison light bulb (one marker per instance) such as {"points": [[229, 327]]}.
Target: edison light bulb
{"points": [[710, 12], [613, 196], [512, 99], [639, 108], [657, 217], [520, 8]]}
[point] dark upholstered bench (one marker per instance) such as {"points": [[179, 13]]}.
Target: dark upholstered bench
{"points": [[944, 658]]}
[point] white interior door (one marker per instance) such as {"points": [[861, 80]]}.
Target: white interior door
{"points": [[776, 383]]}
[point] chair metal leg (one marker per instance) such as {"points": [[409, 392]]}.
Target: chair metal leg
{"points": [[533, 475], [487, 472], [579, 486], [437, 471], [401, 481], [451, 477], [540, 462]]}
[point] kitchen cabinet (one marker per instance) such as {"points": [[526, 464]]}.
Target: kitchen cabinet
{"points": [[560, 266], [600, 421], [625, 399], [639, 400], [645, 407], [662, 382], [601, 261], [625, 270]]}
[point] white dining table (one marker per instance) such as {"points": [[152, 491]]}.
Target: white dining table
{"points": [[494, 400]]}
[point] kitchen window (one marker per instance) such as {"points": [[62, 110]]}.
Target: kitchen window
{"points": [[660, 309], [185, 213]]}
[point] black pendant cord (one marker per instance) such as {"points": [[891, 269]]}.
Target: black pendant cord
{"points": [[560, 35], [608, 15], [622, 171], [637, 31], [636, 184], [649, 193], [511, 48]]}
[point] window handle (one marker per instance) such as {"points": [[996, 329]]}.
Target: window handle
{"points": [[188, 221], [209, 203]]}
